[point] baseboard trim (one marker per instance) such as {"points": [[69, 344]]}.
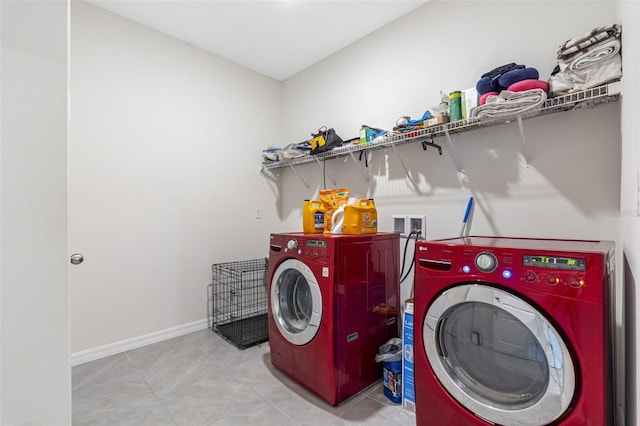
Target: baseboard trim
{"points": [[93, 354]]}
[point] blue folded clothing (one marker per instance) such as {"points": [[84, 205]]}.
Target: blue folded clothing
{"points": [[514, 76], [486, 85], [498, 71]]}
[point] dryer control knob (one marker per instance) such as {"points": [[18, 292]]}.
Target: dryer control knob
{"points": [[530, 277], [576, 281], [486, 262], [552, 279], [292, 244]]}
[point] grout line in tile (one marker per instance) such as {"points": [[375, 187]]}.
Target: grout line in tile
{"points": [[278, 408]]}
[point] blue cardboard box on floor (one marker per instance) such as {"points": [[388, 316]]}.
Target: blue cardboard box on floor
{"points": [[408, 385]]}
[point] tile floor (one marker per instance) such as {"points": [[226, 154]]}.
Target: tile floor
{"points": [[200, 379]]}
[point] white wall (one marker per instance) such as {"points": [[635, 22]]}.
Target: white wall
{"points": [[572, 188], [629, 16], [164, 155], [156, 123], [34, 339]]}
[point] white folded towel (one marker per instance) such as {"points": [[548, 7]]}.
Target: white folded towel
{"points": [[596, 54], [568, 81], [510, 104]]}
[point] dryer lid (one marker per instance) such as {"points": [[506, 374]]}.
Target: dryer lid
{"points": [[498, 356]]}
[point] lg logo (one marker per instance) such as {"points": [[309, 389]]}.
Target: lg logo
{"points": [[422, 248]]}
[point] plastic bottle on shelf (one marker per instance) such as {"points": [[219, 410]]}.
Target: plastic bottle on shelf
{"points": [[455, 106], [444, 103]]}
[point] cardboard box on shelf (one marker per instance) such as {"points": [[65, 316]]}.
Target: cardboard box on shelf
{"points": [[408, 384], [434, 121]]}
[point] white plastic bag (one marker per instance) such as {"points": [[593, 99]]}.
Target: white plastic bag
{"points": [[390, 351]]}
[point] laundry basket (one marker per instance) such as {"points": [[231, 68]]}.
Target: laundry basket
{"points": [[237, 302]]}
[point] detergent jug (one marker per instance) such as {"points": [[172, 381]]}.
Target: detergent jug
{"points": [[313, 217], [360, 217], [337, 218]]}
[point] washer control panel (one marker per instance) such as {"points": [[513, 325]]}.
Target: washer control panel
{"points": [[300, 245], [315, 248], [527, 268], [580, 269]]}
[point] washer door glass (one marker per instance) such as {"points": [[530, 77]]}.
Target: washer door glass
{"points": [[498, 356], [493, 353], [296, 302]]}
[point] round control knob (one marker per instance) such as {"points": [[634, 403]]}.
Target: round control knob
{"points": [[552, 279], [575, 281], [292, 244], [530, 277], [486, 262]]}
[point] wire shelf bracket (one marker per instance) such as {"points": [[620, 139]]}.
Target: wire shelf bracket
{"points": [[406, 171], [453, 153], [273, 180], [527, 158], [364, 175], [299, 177]]}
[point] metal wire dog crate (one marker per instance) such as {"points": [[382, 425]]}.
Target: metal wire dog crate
{"points": [[237, 302]]}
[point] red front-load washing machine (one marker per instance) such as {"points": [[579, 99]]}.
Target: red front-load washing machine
{"points": [[333, 301], [514, 332]]}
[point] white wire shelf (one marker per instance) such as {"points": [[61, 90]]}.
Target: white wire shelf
{"points": [[584, 99]]}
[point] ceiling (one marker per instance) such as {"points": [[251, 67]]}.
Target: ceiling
{"points": [[277, 38]]}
